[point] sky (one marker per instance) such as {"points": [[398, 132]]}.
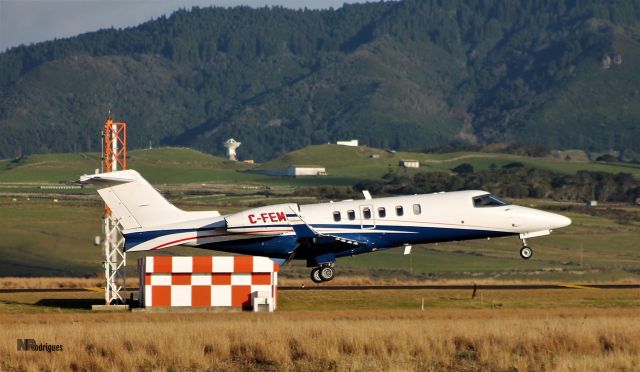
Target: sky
{"points": [[30, 21]]}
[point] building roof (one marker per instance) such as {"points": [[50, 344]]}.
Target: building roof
{"points": [[305, 166]]}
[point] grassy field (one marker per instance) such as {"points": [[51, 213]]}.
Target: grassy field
{"points": [[560, 330], [41, 238], [345, 166], [357, 163], [309, 299], [45, 238], [47, 233], [165, 165]]}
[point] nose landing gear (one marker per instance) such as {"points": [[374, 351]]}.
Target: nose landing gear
{"points": [[324, 273], [525, 251]]}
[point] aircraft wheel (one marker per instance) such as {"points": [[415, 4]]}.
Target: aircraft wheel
{"points": [[526, 252], [327, 273], [315, 275]]}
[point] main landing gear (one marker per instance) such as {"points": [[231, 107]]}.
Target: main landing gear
{"points": [[525, 251], [324, 273]]}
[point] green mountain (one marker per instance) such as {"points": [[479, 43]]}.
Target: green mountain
{"points": [[409, 75]]}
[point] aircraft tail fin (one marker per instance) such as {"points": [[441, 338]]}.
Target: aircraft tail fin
{"points": [[134, 202]]}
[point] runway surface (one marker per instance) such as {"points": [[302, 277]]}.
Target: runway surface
{"points": [[464, 286], [314, 287]]}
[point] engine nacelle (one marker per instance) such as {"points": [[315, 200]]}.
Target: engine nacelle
{"points": [[269, 220]]}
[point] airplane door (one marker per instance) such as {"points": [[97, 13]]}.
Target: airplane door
{"points": [[367, 217]]}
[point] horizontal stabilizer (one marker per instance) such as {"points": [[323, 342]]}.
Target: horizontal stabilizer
{"points": [[106, 179]]}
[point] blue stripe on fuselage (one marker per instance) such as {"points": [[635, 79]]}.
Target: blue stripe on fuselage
{"points": [[274, 247], [281, 246]]}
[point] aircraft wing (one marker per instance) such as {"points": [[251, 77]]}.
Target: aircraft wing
{"points": [[304, 230]]}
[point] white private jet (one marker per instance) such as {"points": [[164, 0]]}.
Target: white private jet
{"points": [[318, 233]]}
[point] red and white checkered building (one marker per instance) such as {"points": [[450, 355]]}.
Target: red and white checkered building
{"points": [[206, 280]]}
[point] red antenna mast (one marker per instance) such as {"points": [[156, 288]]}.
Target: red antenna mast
{"points": [[115, 145], [114, 158]]}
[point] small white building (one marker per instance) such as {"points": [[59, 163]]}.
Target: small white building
{"points": [[410, 163], [352, 143], [298, 171], [217, 282]]}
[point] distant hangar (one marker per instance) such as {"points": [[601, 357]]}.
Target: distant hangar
{"points": [[297, 171]]}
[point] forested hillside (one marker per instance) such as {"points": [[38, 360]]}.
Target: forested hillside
{"points": [[408, 75]]}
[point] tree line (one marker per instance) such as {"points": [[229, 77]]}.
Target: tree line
{"points": [[513, 180], [284, 78]]}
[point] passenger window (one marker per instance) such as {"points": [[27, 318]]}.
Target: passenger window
{"points": [[399, 211], [382, 213], [366, 213], [336, 216], [416, 209], [351, 215]]}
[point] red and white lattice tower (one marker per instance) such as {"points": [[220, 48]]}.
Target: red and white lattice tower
{"points": [[114, 158]]}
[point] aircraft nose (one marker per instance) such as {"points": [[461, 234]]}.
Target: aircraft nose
{"points": [[529, 219], [557, 221]]}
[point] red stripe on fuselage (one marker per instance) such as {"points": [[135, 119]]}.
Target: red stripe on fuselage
{"points": [[211, 236]]}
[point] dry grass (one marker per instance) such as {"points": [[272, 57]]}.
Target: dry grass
{"points": [[452, 339], [365, 280], [48, 283], [69, 282], [56, 282]]}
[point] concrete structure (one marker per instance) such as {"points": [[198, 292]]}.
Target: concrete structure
{"points": [[231, 145], [240, 282], [410, 163], [297, 171], [263, 302], [353, 143]]}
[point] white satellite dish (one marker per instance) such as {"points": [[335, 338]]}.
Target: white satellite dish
{"points": [[231, 145]]}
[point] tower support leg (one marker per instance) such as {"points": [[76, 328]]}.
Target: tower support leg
{"points": [[115, 261]]}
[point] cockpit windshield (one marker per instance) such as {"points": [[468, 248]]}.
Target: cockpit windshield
{"points": [[488, 200]]}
